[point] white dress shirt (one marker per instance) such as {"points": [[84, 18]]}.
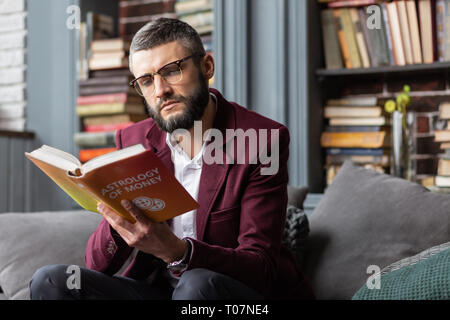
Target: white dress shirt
{"points": [[187, 172]]}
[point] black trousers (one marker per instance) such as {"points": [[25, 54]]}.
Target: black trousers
{"points": [[54, 282]]}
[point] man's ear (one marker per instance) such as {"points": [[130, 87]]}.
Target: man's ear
{"points": [[208, 66]]}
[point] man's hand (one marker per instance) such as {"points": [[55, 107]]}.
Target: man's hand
{"points": [[145, 235]]}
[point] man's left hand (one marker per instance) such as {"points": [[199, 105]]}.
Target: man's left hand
{"points": [[155, 238]]}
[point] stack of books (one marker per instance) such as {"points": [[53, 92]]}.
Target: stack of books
{"points": [[199, 14], [441, 181], [357, 130], [97, 26], [106, 103], [134, 14], [372, 33]]}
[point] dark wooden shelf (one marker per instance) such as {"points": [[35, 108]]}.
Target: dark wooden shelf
{"points": [[19, 134], [437, 66]]}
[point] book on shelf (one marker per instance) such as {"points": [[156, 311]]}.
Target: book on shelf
{"points": [[373, 121], [105, 89], [90, 153], [350, 36], [333, 56], [357, 27], [113, 119], [351, 3], [94, 139], [110, 109], [427, 22], [382, 160], [414, 32], [355, 151], [133, 173], [408, 32], [442, 181], [404, 31], [110, 45], [397, 43], [109, 98], [12, 124], [342, 40], [352, 112], [354, 140], [192, 6], [135, 14], [443, 167], [442, 135], [353, 101], [356, 128], [107, 127]]}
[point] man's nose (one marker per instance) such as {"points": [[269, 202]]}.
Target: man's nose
{"points": [[162, 88]]}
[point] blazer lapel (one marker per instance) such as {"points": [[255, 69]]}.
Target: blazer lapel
{"points": [[214, 175]]}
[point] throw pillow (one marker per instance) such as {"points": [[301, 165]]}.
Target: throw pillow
{"points": [[425, 276], [29, 241], [296, 232], [367, 218]]}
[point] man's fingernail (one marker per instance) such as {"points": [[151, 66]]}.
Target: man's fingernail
{"points": [[126, 204]]}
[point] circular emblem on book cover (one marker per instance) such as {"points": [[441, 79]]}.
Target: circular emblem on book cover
{"points": [[146, 203]]}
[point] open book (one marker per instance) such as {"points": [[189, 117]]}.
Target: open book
{"points": [[133, 173]]}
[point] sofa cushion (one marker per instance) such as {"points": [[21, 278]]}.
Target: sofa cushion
{"points": [[367, 218], [29, 241], [425, 276]]}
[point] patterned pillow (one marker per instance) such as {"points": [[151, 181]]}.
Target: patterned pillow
{"points": [[296, 232], [425, 276]]}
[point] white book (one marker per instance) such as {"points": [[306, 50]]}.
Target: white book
{"points": [[12, 124], [12, 110]]}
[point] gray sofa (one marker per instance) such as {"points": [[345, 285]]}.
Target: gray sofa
{"points": [[364, 219]]}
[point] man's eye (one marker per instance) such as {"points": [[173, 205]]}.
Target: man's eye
{"points": [[170, 71], [147, 81]]}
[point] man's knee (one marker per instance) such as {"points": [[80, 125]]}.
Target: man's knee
{"points": [[49, 283], [199, 284]]}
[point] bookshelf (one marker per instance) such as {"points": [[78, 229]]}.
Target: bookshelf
{"points": [[429, 82]]}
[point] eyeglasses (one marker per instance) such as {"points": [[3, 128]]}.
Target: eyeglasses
{"points": [[172, 73]]}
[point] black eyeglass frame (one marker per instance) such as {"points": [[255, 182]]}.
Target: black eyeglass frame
{"points": [[177, 62]]}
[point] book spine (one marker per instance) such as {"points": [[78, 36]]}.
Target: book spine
{"points": [[102, 99], [353, 139], [342, 39], [440, 29], [107, 127], [360, 38], [349, 33], [404, 30], [92, 139], [414, 30], [351, 3], [397, 43], [388, 34], [354, 151], [100, 90], [353, 128], [333, 57], [447, 30], [367, 38]]}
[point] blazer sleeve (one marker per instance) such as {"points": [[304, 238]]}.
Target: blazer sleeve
{"points": [[263, 212], [106, 251]]}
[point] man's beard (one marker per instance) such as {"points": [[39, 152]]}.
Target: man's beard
{"points": [[195, 103]]}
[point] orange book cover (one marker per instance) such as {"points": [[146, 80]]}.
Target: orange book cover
{"points": [[133, 173], [354, 139]]}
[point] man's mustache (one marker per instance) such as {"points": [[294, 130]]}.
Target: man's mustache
{"points": [[177, 98]]}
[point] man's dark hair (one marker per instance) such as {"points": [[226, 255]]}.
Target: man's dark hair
{"points": [[165, 30]]}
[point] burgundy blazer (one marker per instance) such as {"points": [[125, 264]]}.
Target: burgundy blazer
{"points": [[240, 220]]}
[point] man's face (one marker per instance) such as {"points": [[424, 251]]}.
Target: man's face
{"points": [[173, 106]]}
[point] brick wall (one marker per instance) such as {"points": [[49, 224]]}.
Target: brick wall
{"points": [[13, 33]]}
